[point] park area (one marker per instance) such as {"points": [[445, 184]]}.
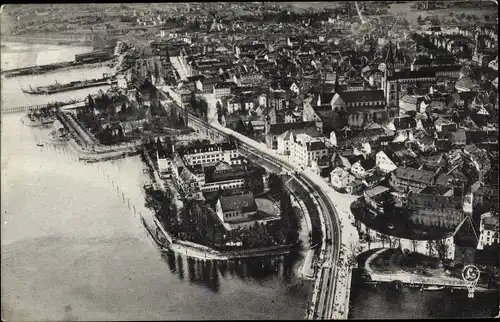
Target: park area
{"points": [[406, 264]]}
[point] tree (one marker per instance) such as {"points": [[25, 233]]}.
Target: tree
{"points": [[180, 121], [389, 204], [414, 245], [451, 14], [441, 247], [240, 127], [250, 129], [91, 101], [121, 136], [354, 250], [393, 241], [219, 109], [430, 247]]}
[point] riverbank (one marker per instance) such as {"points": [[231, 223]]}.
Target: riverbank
{"points": [[86, 250], [391, 273]]}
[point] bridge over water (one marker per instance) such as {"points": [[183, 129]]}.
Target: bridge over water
{"points": [[26, 108]]}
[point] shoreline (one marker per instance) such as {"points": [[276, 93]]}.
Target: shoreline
{"points": [[202, 251]]}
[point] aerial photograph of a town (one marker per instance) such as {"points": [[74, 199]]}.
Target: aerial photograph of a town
{"points": [[249, 160]]}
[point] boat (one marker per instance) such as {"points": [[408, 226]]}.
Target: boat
{"points": [[39, 144], [432, 288], [56, 88], [36, 91]]}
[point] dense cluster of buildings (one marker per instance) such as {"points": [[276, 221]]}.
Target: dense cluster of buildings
{"points": [[198, 170], [415, 117]]}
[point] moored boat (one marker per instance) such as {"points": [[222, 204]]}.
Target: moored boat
{"points": [[432, 288], [56, 88]]}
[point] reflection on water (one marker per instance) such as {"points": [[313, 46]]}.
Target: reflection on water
{"points": [[209, 273], [385, 302]]}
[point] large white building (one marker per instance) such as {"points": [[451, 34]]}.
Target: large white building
{"points": [[304, 149], [488, 230], [211, 154], [223, 177], [341, 178]]}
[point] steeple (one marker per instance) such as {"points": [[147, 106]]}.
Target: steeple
{"points": [[389, 59], [337, 72], [476, 47]]}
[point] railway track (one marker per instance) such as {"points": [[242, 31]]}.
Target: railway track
{"points": [[328, 273]]}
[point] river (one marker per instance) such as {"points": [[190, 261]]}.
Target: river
{"points": [[72, 249], [384, 302]]}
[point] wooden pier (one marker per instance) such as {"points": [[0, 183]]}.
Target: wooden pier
{"points": [[37, 107]]}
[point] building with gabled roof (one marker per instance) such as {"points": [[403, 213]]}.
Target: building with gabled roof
{"points": [[433, 210], [304, 149], [465, 241], [340, 178], [273, 131], [410, 179]]}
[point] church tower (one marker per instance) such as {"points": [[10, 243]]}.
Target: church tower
{"points": [[337, 74], [391, 90]]}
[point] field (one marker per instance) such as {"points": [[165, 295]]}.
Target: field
{"points": [[403, 10], [316, 5]]}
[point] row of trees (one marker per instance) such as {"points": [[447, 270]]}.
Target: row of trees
{"points": [[245, 129], [200, 107]]}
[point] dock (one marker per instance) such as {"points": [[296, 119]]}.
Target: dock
{"points": [[73, 86], [33, 70], [75, 103]]}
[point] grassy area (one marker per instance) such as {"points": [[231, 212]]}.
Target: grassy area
{"points": [[385, 263], [267, 206]]}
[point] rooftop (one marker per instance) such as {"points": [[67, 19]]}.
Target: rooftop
{"points": [[465, 235], [280, 128], [412, 174], [362, 96], [244, 203], [315, 145], [203, 148], [377, 190], [412, 74], [431, 201]]}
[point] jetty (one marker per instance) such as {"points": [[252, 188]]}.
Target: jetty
{"points": [[40, 106], [34, 70], [57, 88]]}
